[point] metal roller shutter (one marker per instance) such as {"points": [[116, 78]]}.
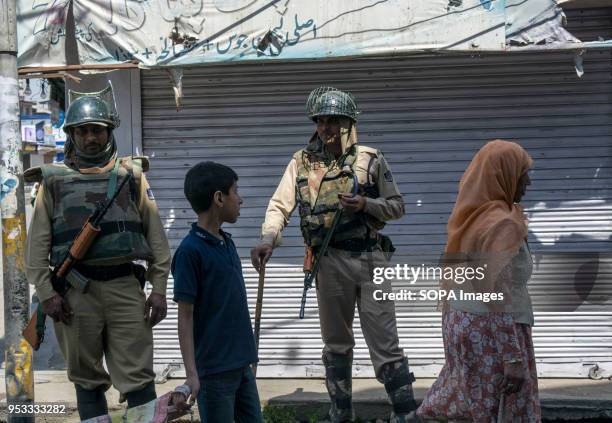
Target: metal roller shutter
{"points": [[429, 115]]}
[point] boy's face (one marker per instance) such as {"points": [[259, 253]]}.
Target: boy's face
{"points": [[231, 205]]}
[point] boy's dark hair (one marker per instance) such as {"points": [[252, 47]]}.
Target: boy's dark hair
{"points": [[203, 180]]}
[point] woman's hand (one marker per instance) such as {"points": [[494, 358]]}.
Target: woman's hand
{"points": [[514, 377]]}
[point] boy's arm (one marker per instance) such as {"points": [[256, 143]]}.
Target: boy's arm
{"points": [[186, 268], [185, 334]]}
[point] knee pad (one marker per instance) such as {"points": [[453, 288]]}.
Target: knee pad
{"points": [[338, 380], [398, 380]]}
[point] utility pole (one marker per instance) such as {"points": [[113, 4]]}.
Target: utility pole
{"points": [[19, 375]]}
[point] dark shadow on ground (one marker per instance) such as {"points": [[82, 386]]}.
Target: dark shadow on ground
{"points": [[582, 401]]}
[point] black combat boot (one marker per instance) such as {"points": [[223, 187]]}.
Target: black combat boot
{"points": [[91, 403], [141, 396], [338, 380], [398, 384]]}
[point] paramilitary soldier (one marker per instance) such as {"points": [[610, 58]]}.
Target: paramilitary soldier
{"points": [[108, 315], [317, 179]]}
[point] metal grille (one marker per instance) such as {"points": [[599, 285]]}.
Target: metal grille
{"points": [[429, 115]]}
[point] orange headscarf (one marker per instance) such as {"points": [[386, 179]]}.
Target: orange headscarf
{"points": [[485, 199], [485, 219]]}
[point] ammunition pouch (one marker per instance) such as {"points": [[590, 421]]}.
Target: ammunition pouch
{"points": [[60, 285], [78, 281], [386, 245], [140, 274]]}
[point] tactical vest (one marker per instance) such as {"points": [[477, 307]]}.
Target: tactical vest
{"points": [[316, 216], [74, 199]]}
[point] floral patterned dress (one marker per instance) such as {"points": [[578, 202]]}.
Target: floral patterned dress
{"points": [[468, 387], [475, 348]]}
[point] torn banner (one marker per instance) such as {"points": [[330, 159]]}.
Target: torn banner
{"points": [[181, 32], [158, 33]]}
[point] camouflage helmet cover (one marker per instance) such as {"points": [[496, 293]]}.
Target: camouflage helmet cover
{"points": [[329, 101], [89, 109]]}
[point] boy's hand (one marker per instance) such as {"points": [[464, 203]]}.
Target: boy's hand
{"points": [[352, 204], [155, 308], [194, 383], [179, 401], [260, 256], [182, 401]]}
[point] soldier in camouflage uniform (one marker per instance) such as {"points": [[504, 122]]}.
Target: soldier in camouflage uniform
{"points": [[318, 179], [106, 315]]}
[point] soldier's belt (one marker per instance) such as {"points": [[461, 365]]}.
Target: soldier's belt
{"points": [[105, 273], [354, 245]]}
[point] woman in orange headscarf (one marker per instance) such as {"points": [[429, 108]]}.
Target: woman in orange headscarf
{"points": [[490, 373]]}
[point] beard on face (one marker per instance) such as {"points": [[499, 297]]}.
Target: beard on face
{"points": [[329, 139]]}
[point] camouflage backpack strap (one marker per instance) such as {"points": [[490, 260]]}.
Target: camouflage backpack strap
{"points": [[350, 158], [301, 183], [136, 166], [112, 180]]}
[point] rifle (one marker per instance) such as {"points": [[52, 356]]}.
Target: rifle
{"points": [[34, 332], [312, 263]]}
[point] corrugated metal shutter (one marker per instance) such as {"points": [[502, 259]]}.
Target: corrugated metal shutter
{"points": [[429, 115]]}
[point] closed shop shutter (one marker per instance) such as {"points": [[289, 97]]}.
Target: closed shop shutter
{"points": [[429, 115]]}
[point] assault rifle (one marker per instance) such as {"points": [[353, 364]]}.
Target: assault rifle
{"points": [[312, 263], [34, 332]]}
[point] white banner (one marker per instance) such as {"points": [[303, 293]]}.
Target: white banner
{"points": [[41, 32], [117, 31]]}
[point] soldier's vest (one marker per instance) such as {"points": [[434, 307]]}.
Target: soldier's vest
{"points": [[316, 214], [74, 199]]}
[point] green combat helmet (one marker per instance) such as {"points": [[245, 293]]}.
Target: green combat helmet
{"points": [[92, 107], [88, 109], [329, 101]]}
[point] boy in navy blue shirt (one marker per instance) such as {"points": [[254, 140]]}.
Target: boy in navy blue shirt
{"points": [[214, 325]]}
